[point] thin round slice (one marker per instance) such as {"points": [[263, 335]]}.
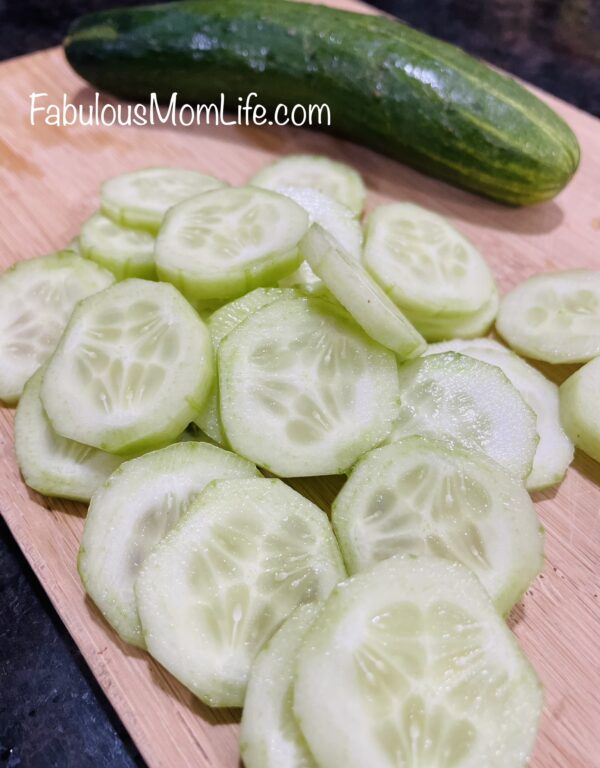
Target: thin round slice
{"points": [[212, 593], [554, 316], [303, 391], [133, 511], [141, 198], [224, 243], [336, 180], [126, 252], [464, 401], [422, 496], [49, 463], [269, 734], [36, 300], [220, 323], [356, 290], [132, 369], [335, 219], [554, 451], [579, 396], [410, 665], [423, 263], [230, 315], [442, 327]]}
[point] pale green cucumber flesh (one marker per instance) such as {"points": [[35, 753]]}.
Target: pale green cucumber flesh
{"points": [[360, 295], [409, 664], [133, 511], [142, 198], [335, 219], [554, 451], [51, 464], [554, 316], [269, 734], [36, 299], [302, 373], [211, 594], [220, 323], [131, 371], [124, 251], [579, 408], [470, 403], [423, 263], [336, 180], [442, 327], [223, 243], [421, 496]]}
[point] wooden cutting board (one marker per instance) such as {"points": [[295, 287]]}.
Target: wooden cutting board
{"points": [[49, 179]]}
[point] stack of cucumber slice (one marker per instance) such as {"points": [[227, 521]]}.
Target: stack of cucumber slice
{"points": [[555, 318], [432, 272], [409, 664], [221, 244], [36, 300], [554, 451], [258, 315], [337, 220], [220, 323], [125, 251]]}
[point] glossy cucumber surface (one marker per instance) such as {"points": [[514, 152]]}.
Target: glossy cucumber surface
{"points": [[394, 89]]}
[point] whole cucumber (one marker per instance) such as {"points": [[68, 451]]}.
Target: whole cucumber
{"points": [[388, 86]]}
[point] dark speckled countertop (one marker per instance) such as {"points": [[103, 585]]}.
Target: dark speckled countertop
{"points": [[52, 712]]}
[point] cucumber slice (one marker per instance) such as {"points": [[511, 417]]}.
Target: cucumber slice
{"points": [[224, 243], [300, 372], [133, 511], [229, 316], [421, 496], [554, 317], [141, 198], [410, 665], [443, 327], [124, 251], [49, 463], [356, 290], [220, 323], [336, 180], [132, 369], [269, 735], [579, 408], [554, 451], [423, 263], [470, 403], [212, 593], [335, 219], [36, 299]]}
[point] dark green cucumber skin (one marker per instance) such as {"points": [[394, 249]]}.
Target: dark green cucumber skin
{"points": [[389, 87]]}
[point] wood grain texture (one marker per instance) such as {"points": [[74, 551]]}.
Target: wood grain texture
{"points": [[49, 179]]}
